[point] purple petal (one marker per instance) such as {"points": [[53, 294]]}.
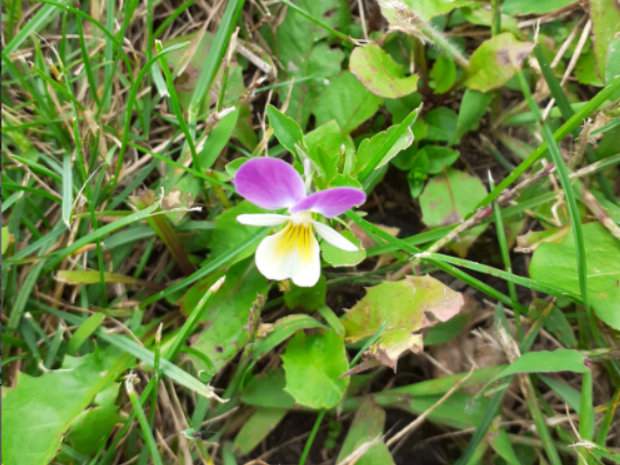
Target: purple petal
{"points": [[269, 183], [331, 202]]}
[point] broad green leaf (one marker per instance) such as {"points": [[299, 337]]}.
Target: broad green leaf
{"points": [[296, 36], [267, 390], [228, 232], [377, 151], [314, 365], [286, 129], [308, 298], [347, 101], [338, 257], [443, 75], [433, 159], [613, 63], [605, 15], [424, 9], [307, 58], [534, 7], [495, 61], [448, 199], [547, 362], [256, 428], [328, 147], [554, 263], [92, 428], [473, 107], [397, 311], [365, 437], [228, 317], [587, 71], [484, 17], [281, 330], [37, 412], [379, 73], [441, 124]]}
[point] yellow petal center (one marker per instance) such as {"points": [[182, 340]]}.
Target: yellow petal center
{"points": [[296, 237]]}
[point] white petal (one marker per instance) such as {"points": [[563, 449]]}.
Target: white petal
{"points": [[307, 270], [262, 219], [271, 263], [291, 253], [332, 236]]}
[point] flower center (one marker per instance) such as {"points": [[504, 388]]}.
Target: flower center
{"points": [[302, 218]]}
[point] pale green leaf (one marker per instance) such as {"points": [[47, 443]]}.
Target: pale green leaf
{"points": [[347, 101], [314, 366], [37, 412], [554, 263], [257, 427], [534, 7], [286, 129], [380, 74], [448, 199], [397, 310], [495, 61], [338, 257], [376, 151], [605, 15], [365, 437], [228, 316]]}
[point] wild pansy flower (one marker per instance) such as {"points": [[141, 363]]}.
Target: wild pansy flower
{"points": [[293, 252]]}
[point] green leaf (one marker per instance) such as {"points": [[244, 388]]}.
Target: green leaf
{"points": [[256, 428], [314, 365], [448, 199], [613, 63], [554, 264], [443, 74], [338, 257], [228, 316], [308, 298], [366, 434], [379, 73], [473, 107], [605, 15], [92, 428], [327, 147], [306, 57], [267, 390], [286, 129], [347, 101], [496, 61], [37, 412], [436, 158], [545, 361], [441, 124], [377, 151], [424, 9], [229, 233], [397, 310], [534, 7], [281, 330]]}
